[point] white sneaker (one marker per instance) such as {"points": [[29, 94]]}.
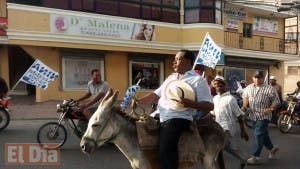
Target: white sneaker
{"points": [[253, 161], [273, 152]]}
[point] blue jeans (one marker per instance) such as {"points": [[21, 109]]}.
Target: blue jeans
{"points": [[261, 136]]}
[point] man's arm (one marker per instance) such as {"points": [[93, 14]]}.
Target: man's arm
{"points": [[292, 93], [148, 99], [202, 105], [245, 104], [87, 95], [242, 127], [274, 104], [239, 114], [95, 99]]}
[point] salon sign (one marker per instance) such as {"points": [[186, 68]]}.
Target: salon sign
{"points": [[96, 27]]}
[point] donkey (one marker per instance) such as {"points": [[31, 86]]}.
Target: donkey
{"points": [[109, 125]]}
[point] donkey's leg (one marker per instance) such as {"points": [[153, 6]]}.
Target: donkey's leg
{"points": [[213, 157], [220, 160]]}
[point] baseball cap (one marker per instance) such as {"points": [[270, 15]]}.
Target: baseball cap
{"points": [[272, 78], [220, 79], [258, 74]]}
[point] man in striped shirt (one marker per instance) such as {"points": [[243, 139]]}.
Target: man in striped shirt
{"points": [[262, 100]]}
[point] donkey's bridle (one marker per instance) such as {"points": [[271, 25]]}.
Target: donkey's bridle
{"points": [[95, 141]]}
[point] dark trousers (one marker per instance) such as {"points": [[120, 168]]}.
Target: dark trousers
{"points": [[170, 133]]}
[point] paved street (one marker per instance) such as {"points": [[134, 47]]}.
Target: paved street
{"points": [[28, 116], [24, 131]]}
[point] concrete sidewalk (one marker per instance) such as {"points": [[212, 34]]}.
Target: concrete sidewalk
{"points": [[25, 107]]}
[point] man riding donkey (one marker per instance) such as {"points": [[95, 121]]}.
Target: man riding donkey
{"points": [[176, 113]]}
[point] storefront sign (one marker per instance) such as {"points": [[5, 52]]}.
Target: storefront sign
{"points": [[76, 25], [235, 14], [265, 26], [76, 71], [3, 26]]}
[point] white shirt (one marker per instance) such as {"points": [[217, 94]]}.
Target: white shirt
{"points": [[200, 87], [226, 111]]}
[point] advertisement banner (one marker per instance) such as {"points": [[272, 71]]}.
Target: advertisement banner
{"points": [[232, 25], [97, 27], [265, 26], [3, 26]]}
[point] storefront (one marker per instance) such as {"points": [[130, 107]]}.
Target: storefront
{"points": [[124, 49]]}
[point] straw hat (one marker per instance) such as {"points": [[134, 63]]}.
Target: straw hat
{"points": [[175, 90]]}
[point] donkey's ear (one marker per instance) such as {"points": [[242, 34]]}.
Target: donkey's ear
{"points": [[106, 97]]}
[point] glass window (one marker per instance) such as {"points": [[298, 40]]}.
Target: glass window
{"points": [[152, 1], [76, 4], [293, 70], [156, 13], [218, 17], [247, 30], [171, 15], [76, 71], [207, 3], [146, 12], [60, 4], [130, 10], [192, 16], [207, 16], [107, 7], [173, 3], [88, 5], [150, 73], [191, 3]]}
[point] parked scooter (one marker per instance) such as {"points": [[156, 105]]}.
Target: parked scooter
{"points": [[4, 113], [290, 116]]}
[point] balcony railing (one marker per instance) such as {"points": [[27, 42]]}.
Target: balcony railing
{"points": [[259, 43]]}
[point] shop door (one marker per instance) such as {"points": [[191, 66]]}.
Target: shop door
{"points": [[19, 62]]}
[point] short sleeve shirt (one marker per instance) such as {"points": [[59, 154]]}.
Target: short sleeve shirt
{"points": [[227, 111], [95, 89], [200, 87], [260, 98]]}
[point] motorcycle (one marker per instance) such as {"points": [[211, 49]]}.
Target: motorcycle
{"points": [[53, 135], [290, 116], [4, 113]]}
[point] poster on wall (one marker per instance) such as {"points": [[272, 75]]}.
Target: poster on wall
{"points": [[90, 26], [76, 71], [232, 75], [232, 25], [265, 26], [3, 26]]}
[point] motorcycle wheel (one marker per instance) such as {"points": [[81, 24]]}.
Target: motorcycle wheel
{"points": [[248, 122], [52, 135], [284, 123], [4, 119]]}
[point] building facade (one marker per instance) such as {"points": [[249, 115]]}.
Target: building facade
{"points": [[129, 39]]}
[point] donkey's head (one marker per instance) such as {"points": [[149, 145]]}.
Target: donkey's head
{"points": [[99, 130]]}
